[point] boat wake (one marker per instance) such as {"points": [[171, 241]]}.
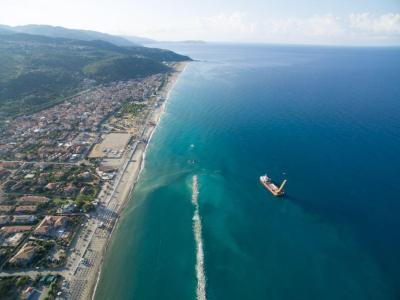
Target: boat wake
{"points": [[200, 273]]}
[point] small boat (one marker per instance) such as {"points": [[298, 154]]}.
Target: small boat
{"points": [[269, 185]]}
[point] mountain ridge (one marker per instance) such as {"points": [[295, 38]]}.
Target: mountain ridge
{"points": [[37, 71], [63, 32]]}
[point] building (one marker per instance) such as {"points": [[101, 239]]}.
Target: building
{"points": [[67, 208], [30, 293], [4, 220], [13, 240], [6, 209], [25, 255], [50, 225], [6, 230], [51, 186], [25, 209], [70, 190], [24, 219], [33, 199]]}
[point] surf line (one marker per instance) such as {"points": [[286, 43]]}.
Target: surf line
{"points": [[200, 273]]}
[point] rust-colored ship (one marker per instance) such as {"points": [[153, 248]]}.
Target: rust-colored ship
{"points": [[270, 186]]}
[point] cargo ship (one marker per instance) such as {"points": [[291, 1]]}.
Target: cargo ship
{"points": [[269, 185]]}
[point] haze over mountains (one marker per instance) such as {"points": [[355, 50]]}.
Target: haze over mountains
{"points": [[40, 65], [85, 35], [61, 32]]}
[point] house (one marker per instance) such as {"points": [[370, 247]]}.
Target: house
{"points": [[51, 186], [67, 208], [13, 240], [4, 173], [85, 175], [30, 293], [85, 190], [6, 230], [6, 209], [24, 219], [25, 209], [33, 199], [25, 255], [70, 190], [29, 176], [4, 219], [50, 226], [59, 175], [9, 164]]}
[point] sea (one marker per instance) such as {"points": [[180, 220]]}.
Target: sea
{"points": [[327, 119]]}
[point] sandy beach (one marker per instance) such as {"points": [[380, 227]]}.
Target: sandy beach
{"points": [[84, 277]]}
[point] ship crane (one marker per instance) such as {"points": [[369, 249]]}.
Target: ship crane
{"points": [[269, 185], [282, 185]]}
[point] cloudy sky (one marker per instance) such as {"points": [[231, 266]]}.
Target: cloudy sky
{"points": [[333, 22]]}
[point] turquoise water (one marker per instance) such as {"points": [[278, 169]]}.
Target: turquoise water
{"points": [[328, 120]]}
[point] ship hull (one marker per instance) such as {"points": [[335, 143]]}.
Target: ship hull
{"points": [[272, 188]]}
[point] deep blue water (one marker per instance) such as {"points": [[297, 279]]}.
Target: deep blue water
{"points": [[328, 120]]}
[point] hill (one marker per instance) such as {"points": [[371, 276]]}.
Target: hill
{"points": [[5, 29], [38, 71], [139, 40], [122, 68], [78, 34]]}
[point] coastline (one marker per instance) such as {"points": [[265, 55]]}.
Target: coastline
{"points": [[131, 174], [152, 253]]}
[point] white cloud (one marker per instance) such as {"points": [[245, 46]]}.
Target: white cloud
{"points": [[356, 28], [325, 25], [237, 22], [387, 24]]}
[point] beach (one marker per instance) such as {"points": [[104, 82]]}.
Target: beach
{"points": [[100, 227], [242, 111]]}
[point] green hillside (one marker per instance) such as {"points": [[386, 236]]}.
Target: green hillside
{"points": [[38, 71], [122, 68]]}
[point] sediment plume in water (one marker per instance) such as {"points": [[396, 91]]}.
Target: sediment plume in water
{"points": [[200, 274]]}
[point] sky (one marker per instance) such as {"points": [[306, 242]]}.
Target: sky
{"points": [[326, 22]]}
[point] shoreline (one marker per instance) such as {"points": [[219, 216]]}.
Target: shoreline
{"points": [[132, 171]]}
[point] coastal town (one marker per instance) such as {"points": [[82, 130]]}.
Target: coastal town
{"points": [[66, 173]]}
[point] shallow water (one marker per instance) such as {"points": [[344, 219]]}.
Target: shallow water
{"points": [[328, 120]]}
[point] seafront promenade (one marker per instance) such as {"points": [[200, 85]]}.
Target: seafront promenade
{"points": [[88, 269]]}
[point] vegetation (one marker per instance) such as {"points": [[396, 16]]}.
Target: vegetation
{"points": [[122, 68], [8, 288], [51, 292], [132, 108], [12, 287], [22, 281], [38, 71]]}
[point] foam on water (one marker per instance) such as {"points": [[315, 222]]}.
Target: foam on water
{"points": [[200, 273], [328, 120]]}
